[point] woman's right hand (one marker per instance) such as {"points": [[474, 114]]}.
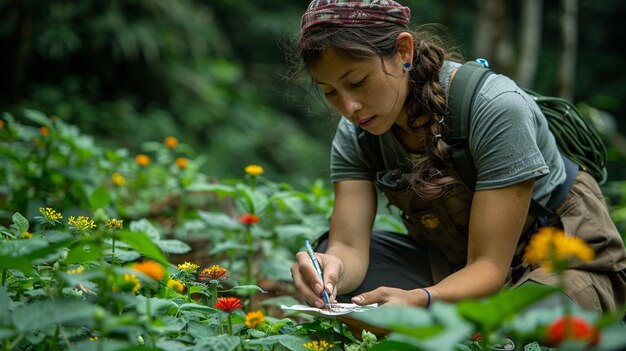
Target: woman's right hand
{"points": [[308, 284]]}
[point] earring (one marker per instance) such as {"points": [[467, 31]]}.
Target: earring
{"points": [[407, 67]]}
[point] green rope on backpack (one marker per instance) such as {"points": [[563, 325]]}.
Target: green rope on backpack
{"points": [[567, 124]]}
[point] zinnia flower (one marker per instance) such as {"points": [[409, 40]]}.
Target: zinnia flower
{"points": [[127, 284], [321, 345], [188, 267], [572, 328], [81, 223], [26, 235], [142, 160], [249, 219], [171, 142], [77, 270], [175, 285], [254, 318], [152, 269], [254, 170], [550, 246], [44, 131], [1, 124], [181, 162], [215, 272], [228, 304], [118, 179], [114, 223]]}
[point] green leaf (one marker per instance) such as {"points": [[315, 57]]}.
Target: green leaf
{"points": [[83, 250], [4, 306], [142, 243], [20, 222], [291, 342], [219, 189], [491, 312], [396, 317], [106, 345], [99, 198], [173, 246], [218, 343], [143, 225], [38, 117], [196, 307], [19, 263], [37, 315]]}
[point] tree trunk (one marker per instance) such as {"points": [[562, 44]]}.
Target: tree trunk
{"points": [[530, 42], [491, 39], [567, 68]]}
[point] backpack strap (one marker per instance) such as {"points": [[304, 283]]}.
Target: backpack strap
{"points": [[466, 83]]}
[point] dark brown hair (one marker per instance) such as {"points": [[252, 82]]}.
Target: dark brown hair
{"points": [[426, 95]]}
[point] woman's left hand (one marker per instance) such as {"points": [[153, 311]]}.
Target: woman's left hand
{"points": [[392, 296]]}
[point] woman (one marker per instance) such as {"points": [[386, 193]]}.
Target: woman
{"points": [[391, 82]]}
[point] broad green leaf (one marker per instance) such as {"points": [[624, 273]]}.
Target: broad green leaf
{"points": [[231, 245], [490, 313], [219, 189], [173, 246], [218, 343], [99, 198], [4, 306], [104, 345], [37, 315], [38, 117], [20, 222], [142, 243], [396, 318], [143, 225], [291, 342], [83, 251], [200, 331], [19, 263], [219, 220], [166, 344], [155, 305], [246, 287]]}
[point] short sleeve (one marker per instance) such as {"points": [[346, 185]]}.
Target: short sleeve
{"points": [[347, 160], [504, 136]]}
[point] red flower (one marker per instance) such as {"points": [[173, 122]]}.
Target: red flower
{"points": [[476, 337], [228, 304], [572, 328], [248, 218], [215, 272]]}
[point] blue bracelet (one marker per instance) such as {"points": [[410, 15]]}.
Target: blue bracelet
{"points": [[427, 294]]}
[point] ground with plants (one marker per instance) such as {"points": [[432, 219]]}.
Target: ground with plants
{"points": [[101, 249]]}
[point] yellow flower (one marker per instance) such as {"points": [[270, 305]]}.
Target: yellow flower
{"points": [[315, 345], [114, 223], [152, 269], [81, 223], [128, 283], [181, 162], [254, 170], [44, 131], [188, 267], [1, 124], [254, 318], [77, 270], [171, 142], [175, 285], [26, 235], [142, 160], [49, 214], [118, 179], [550, 246]]}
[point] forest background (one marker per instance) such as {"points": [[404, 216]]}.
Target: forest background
{"points": [[214, 73]]}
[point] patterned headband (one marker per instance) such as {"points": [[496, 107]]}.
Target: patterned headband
{"points": [[354, 13]]}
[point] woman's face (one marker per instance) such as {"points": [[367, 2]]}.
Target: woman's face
{"points": [[363, 91]]}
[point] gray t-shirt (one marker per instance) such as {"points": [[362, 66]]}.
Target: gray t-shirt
{"points": [[508, 138]]}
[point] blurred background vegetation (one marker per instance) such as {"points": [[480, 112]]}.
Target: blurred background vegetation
{"points": [[213, 72]]}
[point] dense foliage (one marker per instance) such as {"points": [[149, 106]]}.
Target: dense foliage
{"points": [[96, 254]]}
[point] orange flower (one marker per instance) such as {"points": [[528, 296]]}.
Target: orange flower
{"points": [[254, 318], [142, 160], [248, 219], [181, 162], [215, 272], [152, 269], [171, 142], [1, 124], [44, 131], [572, 328], [228, 304]]}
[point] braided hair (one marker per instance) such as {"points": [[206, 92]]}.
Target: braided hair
{"points": [[426, 95]]}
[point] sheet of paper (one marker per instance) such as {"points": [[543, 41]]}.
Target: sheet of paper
{"points": [[336, 309]]}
